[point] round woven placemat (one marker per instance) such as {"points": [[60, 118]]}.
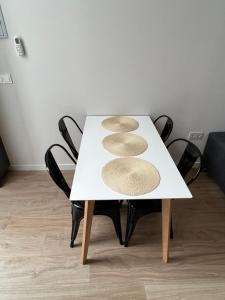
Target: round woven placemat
{"points": [[125, 144], [120, 124], [130, 176]]}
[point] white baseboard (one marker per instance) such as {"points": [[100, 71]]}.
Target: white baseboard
{"points": [[38, 167]]}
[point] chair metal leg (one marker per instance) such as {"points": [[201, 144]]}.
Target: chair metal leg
{"points": [[117, 224], [114, 215], [131, 224], [127, 226], [171, 229], [77, 216]]}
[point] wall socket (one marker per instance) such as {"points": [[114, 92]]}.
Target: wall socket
{"points": [[196, 136]]}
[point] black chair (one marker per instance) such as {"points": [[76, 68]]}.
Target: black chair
{"points": [[65, 134], [140, 208], [107, 208], [168, 127]]}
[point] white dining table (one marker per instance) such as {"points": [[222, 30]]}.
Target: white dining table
{"points": [[88, 185]]}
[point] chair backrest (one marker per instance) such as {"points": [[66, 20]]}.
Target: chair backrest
{"points": [[65, 134], [54, 170], [188, 158], [168, 127]]}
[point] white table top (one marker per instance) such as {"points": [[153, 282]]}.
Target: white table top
{"points": [[88, 183]]}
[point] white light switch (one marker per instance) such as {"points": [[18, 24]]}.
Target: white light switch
{"points": [[6, 78]]}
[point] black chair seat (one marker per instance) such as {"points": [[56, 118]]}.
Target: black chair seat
{"points": [[140, 208], [106, 208], [99, 205], [152, 205]]}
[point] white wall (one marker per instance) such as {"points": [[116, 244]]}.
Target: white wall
{"points": [[110, 57]]}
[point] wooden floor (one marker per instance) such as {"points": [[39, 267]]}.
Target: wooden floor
{"points": [[37, 263]]}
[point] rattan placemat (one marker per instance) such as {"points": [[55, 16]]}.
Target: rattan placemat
{"points": [[125, 144], [130, 176], [120, 124]]}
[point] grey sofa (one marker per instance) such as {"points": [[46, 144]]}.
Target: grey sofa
{"points": [[4, 161], [214, 157]]}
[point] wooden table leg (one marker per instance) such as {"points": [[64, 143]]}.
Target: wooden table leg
{"points": [[88, 214], [166, 219]]}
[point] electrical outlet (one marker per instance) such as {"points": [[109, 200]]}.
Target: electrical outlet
{"points": [[196, 136]]}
